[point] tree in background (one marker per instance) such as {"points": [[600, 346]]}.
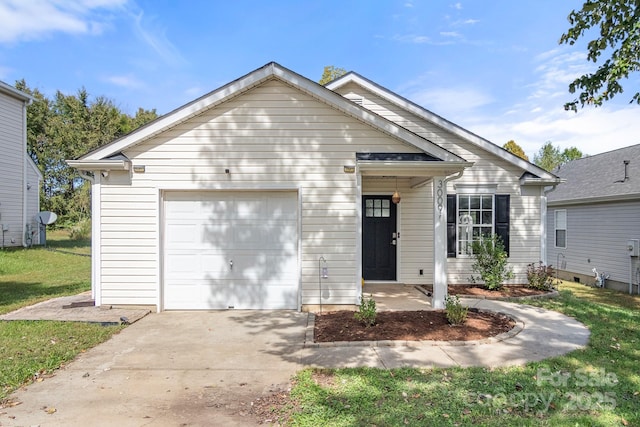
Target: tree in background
{"points": [[65, 128], [550, 157], [618, 23], [512, 147], [331, 73]]}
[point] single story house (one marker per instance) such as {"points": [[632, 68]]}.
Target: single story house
{"points": [[20, 178], [595, 216], [276, 192]]}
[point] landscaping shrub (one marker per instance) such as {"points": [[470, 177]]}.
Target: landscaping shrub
{"points": [[540, 276], [80, 230], [456, 313], [491, 262], [367, 312]]}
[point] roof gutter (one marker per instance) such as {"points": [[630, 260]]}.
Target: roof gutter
{"points": [[100, 165]]}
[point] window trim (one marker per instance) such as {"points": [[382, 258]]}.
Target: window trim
{"points": [[556, 228]]}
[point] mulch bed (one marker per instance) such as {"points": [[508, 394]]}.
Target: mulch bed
{"points": [[509, 291], [409, 326]]}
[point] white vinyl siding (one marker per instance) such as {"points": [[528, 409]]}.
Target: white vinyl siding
{"points": [[560, 223], [270, 137], [598, 238], [11, 168], [525, 209]]}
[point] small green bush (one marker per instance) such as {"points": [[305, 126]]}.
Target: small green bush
{"points": [[540, 276], [367, 312], [80, 230], [456, 313], [491, 262]]}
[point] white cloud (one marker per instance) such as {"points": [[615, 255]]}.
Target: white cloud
{"points": [[127, 81], [33, 19], [155, 37], [457, 6], [411, 38], [592, 131], [451, 102]]}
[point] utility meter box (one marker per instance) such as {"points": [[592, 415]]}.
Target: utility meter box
{"points": [[633, 246]]}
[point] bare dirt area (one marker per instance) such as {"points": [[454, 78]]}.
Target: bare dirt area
{"points": [[510, 291], [409, 326]]}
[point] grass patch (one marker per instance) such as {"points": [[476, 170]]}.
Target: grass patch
{"points": [[595, 386], [28, 276], [31, 350]]}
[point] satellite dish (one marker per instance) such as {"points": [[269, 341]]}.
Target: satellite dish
{"points": [[46, 217]]}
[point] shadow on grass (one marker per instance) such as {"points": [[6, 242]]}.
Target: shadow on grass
{"points": [[14, 294]]}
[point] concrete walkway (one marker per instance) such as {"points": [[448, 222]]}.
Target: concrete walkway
{"points": [[189, 368]]}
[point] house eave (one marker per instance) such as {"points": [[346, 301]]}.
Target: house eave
{"points": [[598, 199], [409, 168]]}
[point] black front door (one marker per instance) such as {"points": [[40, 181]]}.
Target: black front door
{"points": [[379, 238]]}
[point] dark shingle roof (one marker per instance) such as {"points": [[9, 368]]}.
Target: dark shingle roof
{"points": [[600, 177]]}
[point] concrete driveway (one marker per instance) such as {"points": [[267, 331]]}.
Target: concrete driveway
{"points": [[170, 369]]}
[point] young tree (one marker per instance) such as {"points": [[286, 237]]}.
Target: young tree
{"points": [[512, 147], [550, 157], [331, 73], [618, 35]]}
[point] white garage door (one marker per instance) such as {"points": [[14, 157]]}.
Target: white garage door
{"points": [[231, 250]]}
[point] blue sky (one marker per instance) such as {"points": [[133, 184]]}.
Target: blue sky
{"points": [[493, 67]]}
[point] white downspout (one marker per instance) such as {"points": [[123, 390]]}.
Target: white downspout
{"points": [[96, 284], [543, 224], [24, 173]]}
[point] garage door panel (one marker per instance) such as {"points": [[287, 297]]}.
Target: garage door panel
{"points": [[231, 250]]}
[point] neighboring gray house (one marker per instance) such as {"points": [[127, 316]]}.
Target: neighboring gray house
{"points": [[247, 196], [19, 176], [593, 216]]}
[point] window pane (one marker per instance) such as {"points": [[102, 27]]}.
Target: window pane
{"points": [[474, 202], [561, 238], [369, 212], [377, 212], [487, 202], [476, 217], [385, 203], [463, 201], [487, 217], [377, 203], [369, 203], [385, 212]]}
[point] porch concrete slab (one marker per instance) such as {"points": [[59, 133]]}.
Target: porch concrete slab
{"points": [[396, 296], [76, 308]]}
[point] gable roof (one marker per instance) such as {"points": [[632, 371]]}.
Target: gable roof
{"points": [[270, 71], [540, 176], [599, 178]]}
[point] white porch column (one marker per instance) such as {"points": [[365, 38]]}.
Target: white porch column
{"points": [[439, 241]]}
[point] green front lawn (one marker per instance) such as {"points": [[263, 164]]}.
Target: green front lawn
{"points": [[31, 350], [596, 386]]}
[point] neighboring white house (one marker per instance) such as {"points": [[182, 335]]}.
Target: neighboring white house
{"points": [[592, 217], [19, 176], [276, 192]]}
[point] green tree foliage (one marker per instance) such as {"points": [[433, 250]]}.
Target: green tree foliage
{"points": [[512, 147], [67, 127], [550, 157], [618, 35], [331, 73]]}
